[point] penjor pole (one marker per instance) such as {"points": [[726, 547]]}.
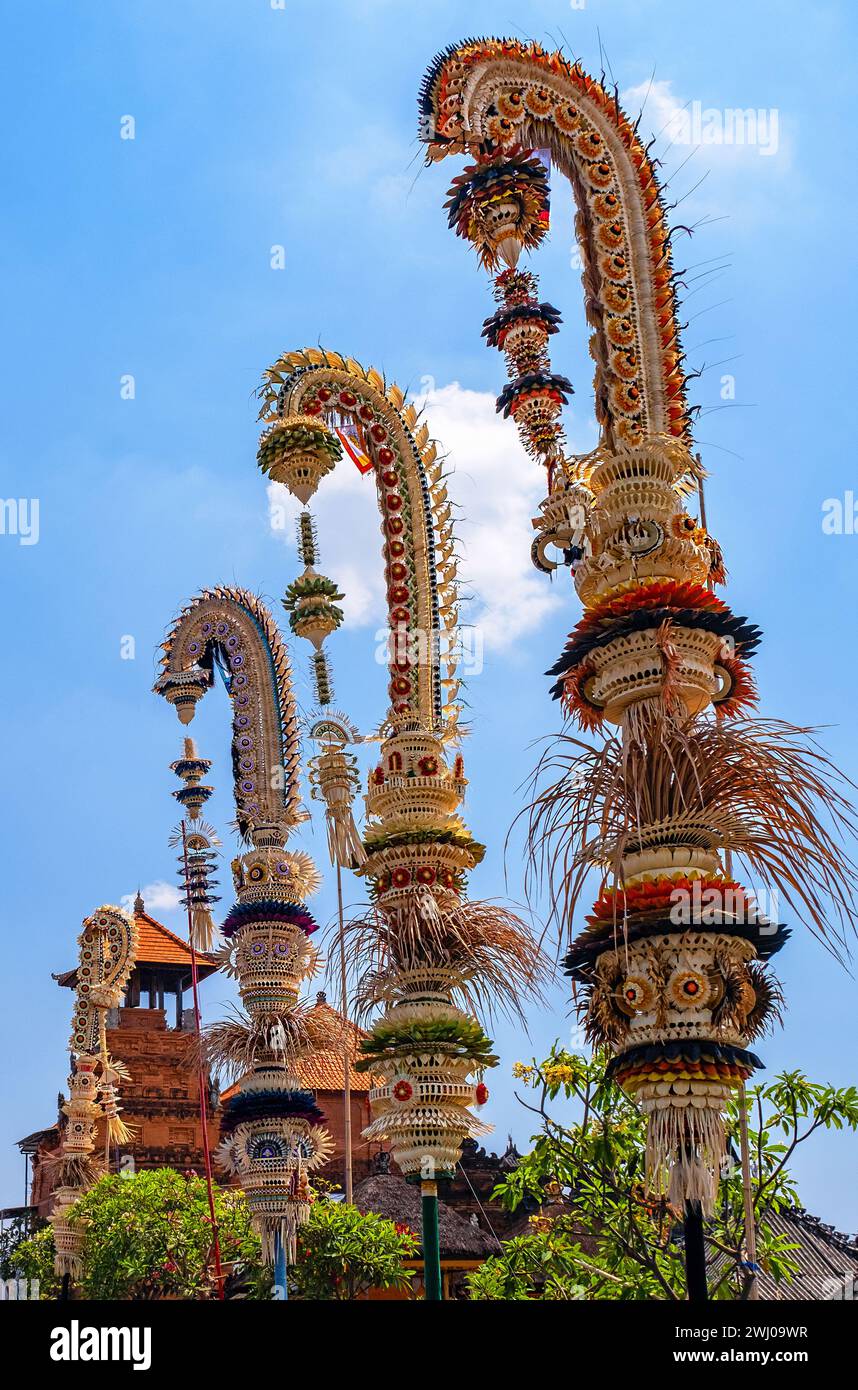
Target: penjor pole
{"points": [[431, 1242], [695, 1254], [427, 953], [657, 666], [201, 1079], [347, 1065]]}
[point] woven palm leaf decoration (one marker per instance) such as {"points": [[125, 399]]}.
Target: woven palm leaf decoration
{"points": [[672, 964], [424, 954], [274, 1136], [107, 948]]}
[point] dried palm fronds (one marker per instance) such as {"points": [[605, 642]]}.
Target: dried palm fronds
{"points": [[599, 1010], [493, 954], [73, 1170], [769, 1005], [763, 789], [238, 1043]]}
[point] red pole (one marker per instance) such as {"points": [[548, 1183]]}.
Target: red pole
{"points": [[207, 1158]]}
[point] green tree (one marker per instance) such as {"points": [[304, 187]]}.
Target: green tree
{"points": [[342, 1253], [593, 1166], [150, 1236], [33, 1259]]}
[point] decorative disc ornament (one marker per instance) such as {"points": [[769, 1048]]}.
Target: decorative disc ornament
{"points": [[273, 1140]]}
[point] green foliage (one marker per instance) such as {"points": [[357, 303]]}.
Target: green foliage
{"points": [[34, 1259], [376, 840], [547, 1261], [610, 1239], [342, 1253], [148, 1236], [286, 437], [456, 1037], [11, 1236], [309, 586]]}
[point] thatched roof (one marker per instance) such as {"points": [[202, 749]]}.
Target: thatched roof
{"points": [[391, 1196]]}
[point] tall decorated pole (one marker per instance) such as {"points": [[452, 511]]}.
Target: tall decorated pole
{"points": [[107, 950], [273, 1131], [335, 780], [671, 965], [425, 954], [311, 602], [197, 843]]}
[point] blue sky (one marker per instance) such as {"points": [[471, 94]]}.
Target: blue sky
{"points": [[258, 127]]}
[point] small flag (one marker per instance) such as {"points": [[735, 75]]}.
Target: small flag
{"points": [[353, 445], [544, 157]]}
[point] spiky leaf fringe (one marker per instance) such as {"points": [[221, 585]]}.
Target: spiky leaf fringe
{"points": [[237, 1044], [493, 953], [763, 789]]}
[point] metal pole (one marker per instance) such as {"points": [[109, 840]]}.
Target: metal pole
{"points": [[281, 1280], [431, 1244], [695, 1254], [201, 1080], [347, 1068], [750, 1221]]}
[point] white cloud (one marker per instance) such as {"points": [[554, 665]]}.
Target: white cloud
{"points": [[727, 134], [157, 897], [715, 160], [726, 139], [496, 489]]}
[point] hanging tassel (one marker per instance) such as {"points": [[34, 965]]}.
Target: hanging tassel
{"points": [[118, 1131], [284, 1228], [344, 842], [202, 929], [333, 776], [685, 1148], [67, 1263]]}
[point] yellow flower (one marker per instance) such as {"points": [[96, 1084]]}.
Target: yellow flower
{"points": [[559, 1074], [521, 1071]]}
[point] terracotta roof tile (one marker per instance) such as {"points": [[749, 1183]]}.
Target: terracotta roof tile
{"points": [[159, 946], [324, 1070]]}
